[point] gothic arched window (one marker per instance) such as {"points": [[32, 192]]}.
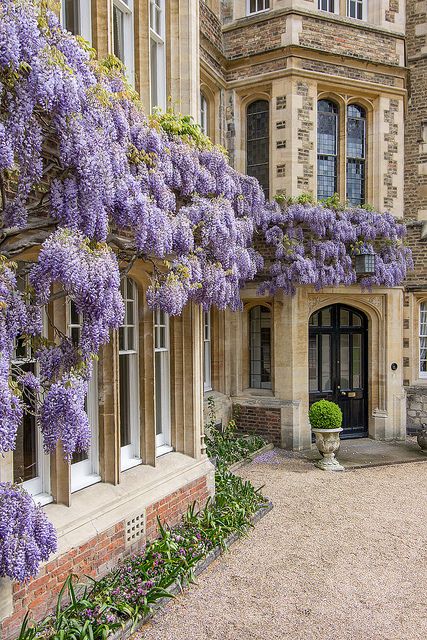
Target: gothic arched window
{"points": [[327, 149], [258, 142], [260, 347], [356, 154]]}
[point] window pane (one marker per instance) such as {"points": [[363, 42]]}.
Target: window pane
{"points": [[356, 152], [25, 463], [159, 400], [326, 317], [258, 143], [345, 361], [125, 420], [260, 346], [313, 353], [344, 318], [71, 16], [357, 360], [327, 140], [118, 33], [326, 362]]}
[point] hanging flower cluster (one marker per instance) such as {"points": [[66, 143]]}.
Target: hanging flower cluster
{"points": [[315, 245], [26, 536], [87, 177]]}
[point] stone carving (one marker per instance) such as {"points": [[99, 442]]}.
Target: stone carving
{"points": [[376, 301]]}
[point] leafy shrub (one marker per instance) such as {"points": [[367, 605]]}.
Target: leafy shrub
{"points": [[325, 415], [227, 446]]}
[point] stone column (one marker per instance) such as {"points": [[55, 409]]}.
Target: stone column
{"points": [[109, 411]]}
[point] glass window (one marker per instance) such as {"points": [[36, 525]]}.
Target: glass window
{"points": [[162, 382], [255, 6], [157, 54], [423, 340], [356, 152], [258, 143], [204, 114], [30, 464], [331, 6], [260, 347], [123, 46], [355, 9], [327, 149], [76, 17], [128, 378], [85, 465], [207, 352]]}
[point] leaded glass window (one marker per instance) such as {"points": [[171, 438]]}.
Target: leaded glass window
{"points": [[258, 143], [260, 347], [356, 154], [423, 340], [327, 149]]}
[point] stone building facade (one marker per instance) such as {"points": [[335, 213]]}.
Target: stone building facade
{"points": [[299, 58]]}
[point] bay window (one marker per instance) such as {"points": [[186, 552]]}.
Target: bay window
{"points": [[157, 54], [123, 44], [260, 348], [162, 382], [129, 378], [76, 17], [423, 340], [207, 352], [85, 464]]}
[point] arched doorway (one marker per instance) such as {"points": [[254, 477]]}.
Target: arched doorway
{"points": [[338, 364]]}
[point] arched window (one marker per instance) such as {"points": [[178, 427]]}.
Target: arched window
{"points": [[85, 465], [204, 114], [423, 340], [162, 382], [258, 143], [327, 149], [356, 154], [128, 378], [260, 347]]}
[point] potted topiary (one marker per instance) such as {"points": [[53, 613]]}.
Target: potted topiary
{"points": [[326, 420]]}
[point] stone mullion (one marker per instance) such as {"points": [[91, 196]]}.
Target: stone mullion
{"points": [[109, 411], [101, 27], [142, 53]]}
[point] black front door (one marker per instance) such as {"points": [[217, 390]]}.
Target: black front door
{"points": [[338, 364]]}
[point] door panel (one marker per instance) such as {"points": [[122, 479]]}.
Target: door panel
{"points": [[338, 364]]}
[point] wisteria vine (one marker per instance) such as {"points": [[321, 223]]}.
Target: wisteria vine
{"points": [[91, 183]]}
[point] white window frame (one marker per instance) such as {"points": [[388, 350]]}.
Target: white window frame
{"points": [[126, 9], [163, 439], [422, 315], [38, 487], [86, 472], [158, 39], [207, 351], [130, 454], [261, 10], [336, 10], [204, 114], [85, 19], [364, 9]]}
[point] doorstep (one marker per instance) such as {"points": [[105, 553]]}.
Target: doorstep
{"points": [[365, 452]]}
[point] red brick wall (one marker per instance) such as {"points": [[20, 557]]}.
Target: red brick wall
{"points": [[94, 558], [262, 421]]}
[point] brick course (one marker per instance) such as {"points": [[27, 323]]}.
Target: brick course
{"points": [[262, 421], [96, 557]]}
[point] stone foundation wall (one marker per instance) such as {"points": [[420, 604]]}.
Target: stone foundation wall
{"points": [[97, 556], [416, 402], [262, 421]]}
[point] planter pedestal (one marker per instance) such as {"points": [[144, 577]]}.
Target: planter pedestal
{"points": [[328, 442], [422, 440]]}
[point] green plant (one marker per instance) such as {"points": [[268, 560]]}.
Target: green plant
{"points": [[325, 415]]}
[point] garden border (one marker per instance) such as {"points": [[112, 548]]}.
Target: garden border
{"points": [[202, 565], [241, 463]]}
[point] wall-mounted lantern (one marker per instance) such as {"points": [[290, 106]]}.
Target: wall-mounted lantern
{"points": [[364, 264]]}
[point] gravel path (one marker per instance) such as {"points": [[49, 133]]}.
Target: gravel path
{"points": [[341, 557]]}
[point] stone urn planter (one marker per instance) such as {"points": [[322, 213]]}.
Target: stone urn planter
{"points": [[326, 420], [328, 443], [422, 439]]}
